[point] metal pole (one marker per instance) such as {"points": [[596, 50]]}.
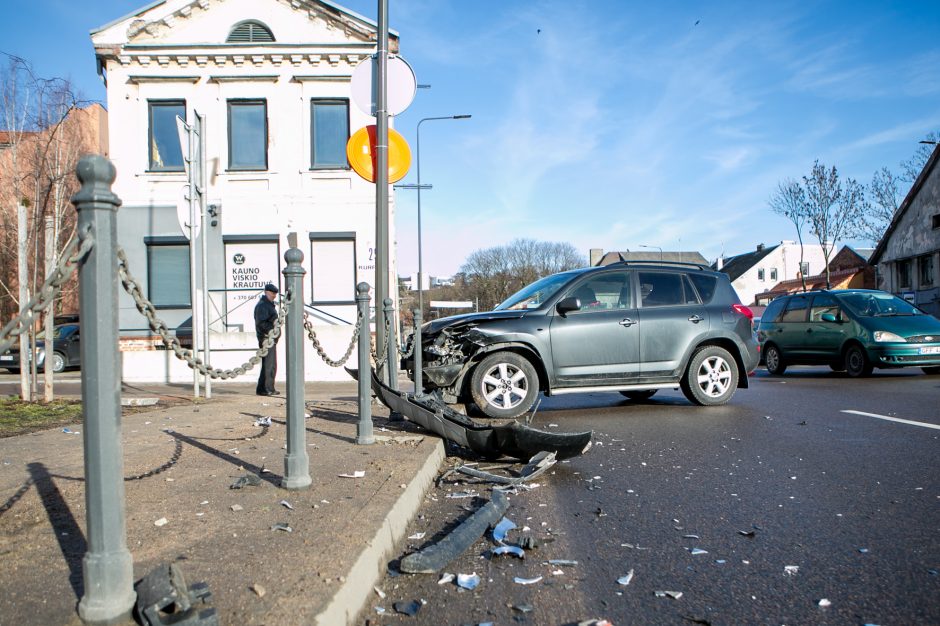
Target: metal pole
{"points": [[193, 291], [364, 428], [296, 461], [108, 568], [418, 356], [381, 178], [200, 166]]}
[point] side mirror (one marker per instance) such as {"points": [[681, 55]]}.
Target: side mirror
{"points": [[566, 305], [829, 317]]}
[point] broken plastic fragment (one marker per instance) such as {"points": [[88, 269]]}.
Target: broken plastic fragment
{"points": [[514, 550], [523, 608], [526, 581], [691, 537], [824, 603], [407, 608], [675, 595], [562, 562], [625, 580], [161, 522], [356, 474], [263, 421], [287, 504], [468, 581], [236, 507], [380, 610], [461, 494], [746, 533], [446, 578], [697, 551], [282, 526], [379, 592], [536, 465], [417, 536], [248, 480], [504, 526], [790, 570]]}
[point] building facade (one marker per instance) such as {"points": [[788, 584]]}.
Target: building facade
{"points": [[753, 273], [270, 82], [908, 255]]}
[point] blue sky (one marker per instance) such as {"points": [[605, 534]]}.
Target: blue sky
{"points": [[615, 124]]}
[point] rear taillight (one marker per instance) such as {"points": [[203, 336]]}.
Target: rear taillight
{"points": [[743, 310]]}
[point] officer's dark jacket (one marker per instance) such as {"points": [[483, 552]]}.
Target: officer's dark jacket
{"points": [[265, 316]]}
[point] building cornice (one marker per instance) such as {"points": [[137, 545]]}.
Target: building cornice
{"points": [[228, 58]]}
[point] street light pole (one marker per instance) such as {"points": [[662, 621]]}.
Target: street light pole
{"points": [[658, 248], [419, 373]]}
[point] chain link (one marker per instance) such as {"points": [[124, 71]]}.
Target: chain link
{"points": [[147, 309], [308, 325], [73, 252]]}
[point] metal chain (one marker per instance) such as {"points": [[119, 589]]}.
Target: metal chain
{"points": [[74, 251], [308, 325], [379, 360], [411, 347], [148, 310]]}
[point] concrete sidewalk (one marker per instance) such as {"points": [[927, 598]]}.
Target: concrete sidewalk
{"points": [[179, 464]]}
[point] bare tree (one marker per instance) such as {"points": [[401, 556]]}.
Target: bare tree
{"points": [[883, 202], [835, 208], [912, 167], [789, 201], [493, 274]]}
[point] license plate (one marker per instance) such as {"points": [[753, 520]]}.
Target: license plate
{"points": [[929, 350], [6, 357]]}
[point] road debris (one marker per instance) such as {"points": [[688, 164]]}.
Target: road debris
{"points": [[379, 592], [258, 589], [248, 480], [461, 495], [435, 557], [263, 421], [286, 505], [282, 526], [790, 570], [750, 534], [697, 551], [526, 581], [417, 536], [675, 595], [824, 603], [356, 474], [691, 537], [538, 464], [500, 530], [445, 579], [468, 581], [562, 562], [595, 622], [236, 507], [161, 522], [523, 608], [625, 580], [513, 550], [407, 608]]}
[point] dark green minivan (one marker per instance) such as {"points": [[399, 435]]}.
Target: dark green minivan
{"points": [[854, 330]]}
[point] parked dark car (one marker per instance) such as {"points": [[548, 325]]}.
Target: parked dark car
{"points": [[855, 330], [630, 327], [66, 351]]}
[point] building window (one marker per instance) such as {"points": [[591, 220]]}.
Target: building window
{"points": [[329, 132], [804, 268], [333, 268], [935, 221], [904, 273], [250, 31], [760, 274], [166, 154], [773, 274], [247, 135], [925, 269], [168, 274]]}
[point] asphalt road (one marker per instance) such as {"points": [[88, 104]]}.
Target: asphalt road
{"points": [[837, 506]]}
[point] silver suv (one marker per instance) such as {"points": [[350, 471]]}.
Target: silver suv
{"points": [[632, 328]]}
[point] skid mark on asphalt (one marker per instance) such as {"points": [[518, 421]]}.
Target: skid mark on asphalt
{"points": [[893, 419]]}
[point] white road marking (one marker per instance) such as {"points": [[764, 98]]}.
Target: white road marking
{"points": [[893, 419]]}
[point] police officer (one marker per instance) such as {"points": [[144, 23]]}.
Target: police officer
{"points": [[265, 316]]}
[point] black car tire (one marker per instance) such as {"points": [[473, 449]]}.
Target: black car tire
{"points": [[711, 378], [774, 360], [506, 378], [639, 396], [932, 370], [857, 364]]}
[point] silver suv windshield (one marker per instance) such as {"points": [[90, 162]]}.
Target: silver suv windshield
{"points": [[534, 295], [878, 305]]}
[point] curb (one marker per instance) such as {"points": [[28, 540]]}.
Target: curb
{"points": [[366, 572]]}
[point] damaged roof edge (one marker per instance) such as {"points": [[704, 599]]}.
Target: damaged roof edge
{"points": [[134, 13]]}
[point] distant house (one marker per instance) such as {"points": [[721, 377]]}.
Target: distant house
{"points": [[849, 269], [908, 254], [756, 272], [598, 257]]}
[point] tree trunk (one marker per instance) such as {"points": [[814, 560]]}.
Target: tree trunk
{"points": [[23, 279], [50, 312]]}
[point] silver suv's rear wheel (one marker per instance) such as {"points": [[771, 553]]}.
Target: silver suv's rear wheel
{"points": [[711, 378], [504, 385]]}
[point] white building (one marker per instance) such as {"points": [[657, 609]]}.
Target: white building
{"points": [[272, 80], [755, 272]]}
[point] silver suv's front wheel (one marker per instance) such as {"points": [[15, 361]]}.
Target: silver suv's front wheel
{"points": [[711, 378], [504, 385]]}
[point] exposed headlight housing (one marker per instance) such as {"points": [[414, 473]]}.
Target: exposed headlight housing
{"points": [[884, 336]]}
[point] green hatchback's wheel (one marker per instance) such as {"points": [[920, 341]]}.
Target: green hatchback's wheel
{"points": [[711, 378], [857, 364], [639, 396], [504, 385], [774, 360]]}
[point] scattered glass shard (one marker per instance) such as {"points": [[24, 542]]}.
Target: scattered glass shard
{"points": [[161, 522], [263, 421], [282, 526], [468, 581], [562, 562], [675, 595], [461, 494], [503, 527], [523, 608], [236, 507], [417, 536], [513, 550], [790, 570], [625, 580], [287, 505], [697, 551], [691, 537], [526, 581], [824, 603], [747, 533], [446, 578]]}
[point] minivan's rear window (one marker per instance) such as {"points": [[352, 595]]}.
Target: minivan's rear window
{"points": [[705, 285]]}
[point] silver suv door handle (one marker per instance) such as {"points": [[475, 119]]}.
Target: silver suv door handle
{"points": [[627, 322], [695, 319]]}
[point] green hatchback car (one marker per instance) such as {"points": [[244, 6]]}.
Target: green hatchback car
{"points": [[855, 330]]}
